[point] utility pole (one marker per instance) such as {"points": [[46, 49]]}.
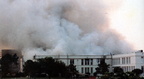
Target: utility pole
{"points": [[111, 62], [67, 59]]}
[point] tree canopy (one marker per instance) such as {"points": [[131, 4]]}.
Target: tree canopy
{"points": [[118, 70], [137, 71], [102, 67], [46, 65], [9, 64]]}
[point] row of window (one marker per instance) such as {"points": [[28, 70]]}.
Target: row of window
{"points": [[86, 61], [83, 61], [126, 60], [71, 61], [116, 61], [87, 69], [128, 68]]}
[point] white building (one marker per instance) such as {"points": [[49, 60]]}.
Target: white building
{"points": [[88, 63], [129, 61], [83, 63]]}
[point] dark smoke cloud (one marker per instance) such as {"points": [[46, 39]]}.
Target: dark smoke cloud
{"points": [[58, 27]]}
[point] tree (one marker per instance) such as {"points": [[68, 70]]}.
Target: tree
{"points": [[0, 69], [102, 67], [9, 64], [118, 70], [31, 68], [71, 70], [47, 66], [52, 67], [60, 68], [137, 71]]}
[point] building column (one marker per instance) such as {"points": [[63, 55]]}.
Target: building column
{"points": [[21, 64]]}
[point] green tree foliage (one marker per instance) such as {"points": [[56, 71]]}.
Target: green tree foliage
{"points": [[126, 75], [31, 67], [71, 70], [118, 70], [9, 61], [46, 65], [102, 67], [119, 74], [137, 71]]}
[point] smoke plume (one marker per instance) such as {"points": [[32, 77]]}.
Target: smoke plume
{"points": [[58, 27]]}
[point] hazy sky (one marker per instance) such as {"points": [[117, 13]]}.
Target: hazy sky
{"points": [[72, 26], [128, 20]]}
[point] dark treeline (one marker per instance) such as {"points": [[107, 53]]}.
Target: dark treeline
{"points": [[48, 67], [9, 65], [43, 67]]}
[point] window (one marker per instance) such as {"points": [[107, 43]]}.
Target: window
{"points": [[86, 70], [71, 61], [91, 61], [82, 62], [91, 70], [82, 70], [123, 60], [98, 60], [127, 60], [86, 61], [118, 60]]}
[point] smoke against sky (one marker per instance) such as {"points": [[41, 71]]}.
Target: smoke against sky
{"points": [[128, 20], [59, 27]]}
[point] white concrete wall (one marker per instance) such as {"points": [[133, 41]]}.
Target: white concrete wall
{"points": [[136, 60]]}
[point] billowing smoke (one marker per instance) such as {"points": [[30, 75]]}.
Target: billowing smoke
{"points": [[58, 27]]}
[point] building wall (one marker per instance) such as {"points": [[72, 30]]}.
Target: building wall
{"points": [[127, 61]]}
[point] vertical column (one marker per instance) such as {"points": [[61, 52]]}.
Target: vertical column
{"points": [[120, 60], [83, 69], [125, 59], [21, 64], [111, 64], [83, 61]]}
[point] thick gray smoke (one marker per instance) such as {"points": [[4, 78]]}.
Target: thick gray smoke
{"points": [[58, 27]]}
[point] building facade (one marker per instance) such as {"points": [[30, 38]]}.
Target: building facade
{"points": [[17, 54], [88, 63], [129, 61], [84, 63]]}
